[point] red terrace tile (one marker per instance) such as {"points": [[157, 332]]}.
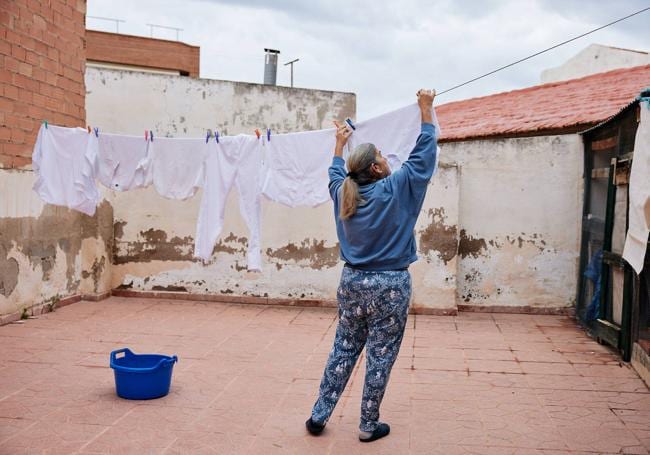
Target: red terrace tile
{"points": [[197, 442], [511, 432], [556, 105], [562, 416], [602, 440], [51, 437], [236, 392], [10, 427]]}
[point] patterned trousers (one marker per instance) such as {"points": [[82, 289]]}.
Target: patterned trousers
{"points": [[373, 307]]}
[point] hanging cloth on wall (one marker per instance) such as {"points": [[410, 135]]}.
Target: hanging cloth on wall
{"points": [[639, 196], [233, 161], [178, 166], [64, 164], [123, 162]]}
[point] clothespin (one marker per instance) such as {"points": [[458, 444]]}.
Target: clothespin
{"points": [[257, 133], [96, 131], [336, 124], [216, 136], [146, 135], [349, 122], [268, 134], [207, 136], [151, 135], [88, 126], [45, 123]]}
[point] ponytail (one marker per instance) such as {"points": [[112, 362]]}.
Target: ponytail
{"points": [[350, 198], [359, 163]]}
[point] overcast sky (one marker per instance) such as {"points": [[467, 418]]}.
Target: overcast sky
{"points": [[382, 50]]}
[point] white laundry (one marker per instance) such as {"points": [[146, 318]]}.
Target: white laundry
{"points": [[636, 241], [234, 160], [178, 166], [295, 168], [393, 133], [122, 162], [295, 172], [64, 163]]}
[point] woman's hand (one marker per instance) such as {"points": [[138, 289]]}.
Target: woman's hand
{"points": [[425, 101], [343, 133]]}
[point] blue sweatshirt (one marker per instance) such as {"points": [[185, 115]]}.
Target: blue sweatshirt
{"points": [[379, 236]]}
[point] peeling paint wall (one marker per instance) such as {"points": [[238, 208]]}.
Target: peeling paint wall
{"points": [[154, 237], [520, 208], [499, 226], [47, 252], [130, 102]]}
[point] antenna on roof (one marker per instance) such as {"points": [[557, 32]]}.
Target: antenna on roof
{"points": [[151, 26]]}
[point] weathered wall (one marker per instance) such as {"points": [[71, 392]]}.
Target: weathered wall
{"points": [[131, 102], [509, 207], [46, 253], [154, 236], [520, 208]]}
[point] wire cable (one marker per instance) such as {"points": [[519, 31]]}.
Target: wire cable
{"points": [[541, 52]]}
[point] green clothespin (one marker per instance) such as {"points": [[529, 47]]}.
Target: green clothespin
{"points": [[45, 123]]}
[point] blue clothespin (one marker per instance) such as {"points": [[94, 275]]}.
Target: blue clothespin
{"points": [[216, 136], [151, 135], [96, 131], [207, 137], [268, 134], [349, 122]]}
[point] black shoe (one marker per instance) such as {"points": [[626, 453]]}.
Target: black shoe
{"points": [[382, 430], [314, 428]]}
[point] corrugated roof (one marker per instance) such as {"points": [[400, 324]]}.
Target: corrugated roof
{"points": [[555, 108]]}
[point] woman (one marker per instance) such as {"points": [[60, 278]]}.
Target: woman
{"points": [[375, 213]]}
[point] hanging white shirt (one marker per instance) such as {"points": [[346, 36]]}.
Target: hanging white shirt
{"points": [[64, 163], [296, 166], [393, 133], [122, 162], [178, 166], [237, 161], [636, 241]]}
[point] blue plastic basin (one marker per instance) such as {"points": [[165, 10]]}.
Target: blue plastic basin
{"points": [[142, 376]]}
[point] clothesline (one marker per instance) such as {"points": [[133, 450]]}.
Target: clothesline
{"points": [[289, 168]]}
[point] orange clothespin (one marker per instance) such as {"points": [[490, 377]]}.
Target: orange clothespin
{"points": [[257, 133], [88, 129], [146, 135]]}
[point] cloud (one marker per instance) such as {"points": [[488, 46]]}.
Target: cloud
{"points": [[384, 51]]}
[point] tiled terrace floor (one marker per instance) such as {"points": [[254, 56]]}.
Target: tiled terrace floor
{"points": [[248, 375]]}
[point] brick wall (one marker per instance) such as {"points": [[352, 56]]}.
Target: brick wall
{"points": [[42, 65], [143, 52]]}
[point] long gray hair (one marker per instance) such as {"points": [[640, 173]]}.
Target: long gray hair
{"points": [[359, 162]]}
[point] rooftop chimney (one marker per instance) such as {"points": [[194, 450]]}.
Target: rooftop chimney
{"points": [[270, 66]]}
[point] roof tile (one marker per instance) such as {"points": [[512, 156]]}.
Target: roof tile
{"points": [[554, 106]]}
